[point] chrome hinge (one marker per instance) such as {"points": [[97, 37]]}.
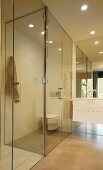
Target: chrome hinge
{"points": [[43, 81]]}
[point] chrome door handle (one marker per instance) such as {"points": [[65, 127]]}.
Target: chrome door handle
{"points": [[59, 93], [16, 101], [16, 83], [17, 92]]}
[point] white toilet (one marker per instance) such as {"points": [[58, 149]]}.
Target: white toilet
{"points": [[53, 121]]}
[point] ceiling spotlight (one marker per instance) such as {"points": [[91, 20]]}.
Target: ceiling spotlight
{"points": [[31, 25], [60, 49], [96, 42], [50, 42], [42, 32], [84, 7], [92, 32], [101, 52]]}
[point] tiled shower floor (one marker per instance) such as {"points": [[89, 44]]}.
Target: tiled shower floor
{"points": [[23, 160]]}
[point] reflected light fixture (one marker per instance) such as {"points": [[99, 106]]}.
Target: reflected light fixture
{"points": [[96, 42], [101, 52], [42, 32], [60, 49], [50, 42], [92, 32], [31, 25], [84, 7]]}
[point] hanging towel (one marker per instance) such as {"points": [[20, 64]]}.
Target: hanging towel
{"points": [[10, 79]]}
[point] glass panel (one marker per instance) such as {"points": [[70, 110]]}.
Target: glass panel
{"points": [[78, 71], [54, 83], [28, 89], [6, 86], [24, 89], [58, 84], [24, 104], [67, 66], [81, 73]]}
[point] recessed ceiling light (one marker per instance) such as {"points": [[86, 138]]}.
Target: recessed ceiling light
{"points": [[84, 7], [60, 49], [42, 32], [101, 52], [92, 32], [96, 42], [31, 25], [50, 42]]}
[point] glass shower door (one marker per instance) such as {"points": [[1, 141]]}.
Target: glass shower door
{"points": [[27, 68], [54, 93], [28, 99], [58, 93]]}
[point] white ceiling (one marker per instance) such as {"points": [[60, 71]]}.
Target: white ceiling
{"points": [[78, 24], [92, 50], [21, 8]]}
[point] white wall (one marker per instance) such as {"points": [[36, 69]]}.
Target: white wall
{"points": [[29, 66]]}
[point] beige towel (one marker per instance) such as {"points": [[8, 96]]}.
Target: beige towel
{"points": [[10, 80]]}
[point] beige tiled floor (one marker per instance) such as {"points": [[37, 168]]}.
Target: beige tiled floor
{"points": [[23, 160], [80, 151]]}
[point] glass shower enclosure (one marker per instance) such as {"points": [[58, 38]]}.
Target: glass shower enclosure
{"points": [[36, 72]]}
